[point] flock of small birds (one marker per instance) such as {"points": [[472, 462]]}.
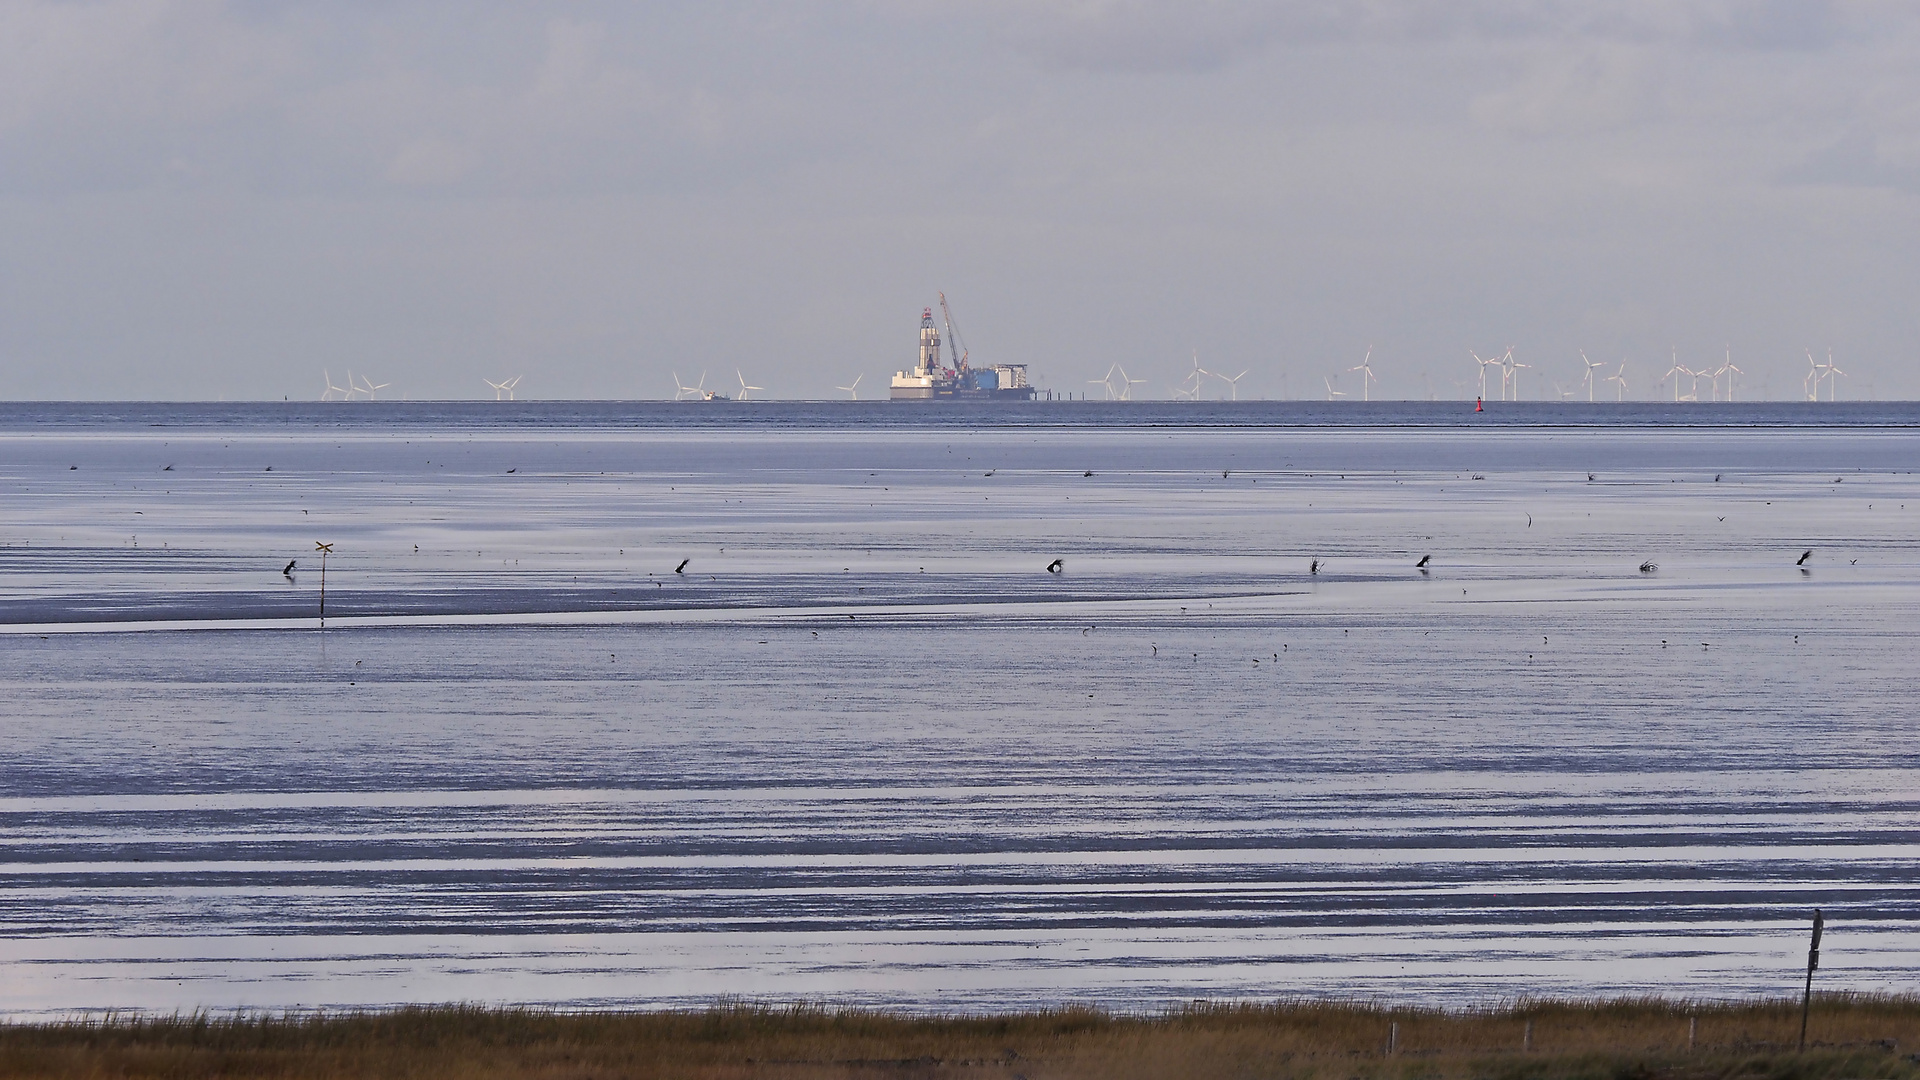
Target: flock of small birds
{"points": [[1059, 566]]}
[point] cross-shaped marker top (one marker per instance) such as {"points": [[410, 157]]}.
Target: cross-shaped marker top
{"points": [[318, 546]]}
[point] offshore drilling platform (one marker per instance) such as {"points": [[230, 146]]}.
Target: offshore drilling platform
{"points": [[952, 378]]}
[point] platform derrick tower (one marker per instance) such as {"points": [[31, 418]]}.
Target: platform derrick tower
{"points": [[929, 347], [928, 377]]}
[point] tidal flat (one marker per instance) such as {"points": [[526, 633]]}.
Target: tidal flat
{"points": [[649, 709]]}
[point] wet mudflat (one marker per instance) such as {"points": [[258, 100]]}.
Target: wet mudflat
{"points": [[864, 748]]}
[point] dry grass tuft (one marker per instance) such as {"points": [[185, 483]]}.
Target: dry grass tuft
{"points": [[1851, 1037]]}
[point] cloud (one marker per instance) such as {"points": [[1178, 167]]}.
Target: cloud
{"points": [[1579, 89], [1145, 35], [484, 181], [105, 94], [430, 163], [1855, 159], [127, 94], [120, 61]]}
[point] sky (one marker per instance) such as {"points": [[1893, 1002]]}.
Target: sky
{"points": [[204, 199]]}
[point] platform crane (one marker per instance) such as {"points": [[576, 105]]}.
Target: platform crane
{"points": [[955, 347]]}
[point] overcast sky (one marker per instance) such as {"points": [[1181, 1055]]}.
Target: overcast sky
{"points": [[202, 199]]}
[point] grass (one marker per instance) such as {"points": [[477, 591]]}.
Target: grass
{"points": [[1851, 1038]]}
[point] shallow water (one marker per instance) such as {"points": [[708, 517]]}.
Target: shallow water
{"points": [[865, 748]]}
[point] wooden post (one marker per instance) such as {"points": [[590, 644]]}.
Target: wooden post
{"points": [[1693, 1025], [1526, 1038], [1393, 1037], [1813, 962], [324, 550]]}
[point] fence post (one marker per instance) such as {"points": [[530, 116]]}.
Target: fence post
{"points": [[1813, 962]]}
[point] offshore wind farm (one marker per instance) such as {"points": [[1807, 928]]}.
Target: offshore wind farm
{"points": [[943, 370]]}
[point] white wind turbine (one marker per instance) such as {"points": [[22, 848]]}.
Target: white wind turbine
{"points": [[1107, 381], [504, 386], [1833, 384], [853, 389], [1484, 365], [369, 387], [1510, 370], [1589, 376], [1810, 384], [1331, 392], [1233, 383], [353, 385], [1127, 384], [1620, 377], [743, 384], [1678, 369], [1197, 377], [682, 392], [1365, 368], [1730, 371], [327, 394]]}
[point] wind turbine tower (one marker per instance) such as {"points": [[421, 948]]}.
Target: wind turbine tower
{"points": [[1365, 368], [1730, 371], [1510, 371], [1832, 375], [1233, 383], [1620, 377], [1678, 369], [1484, 365], [1590, 369]]}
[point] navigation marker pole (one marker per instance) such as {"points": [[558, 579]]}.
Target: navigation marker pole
{"points": [[324, 550], [1813, 962]]}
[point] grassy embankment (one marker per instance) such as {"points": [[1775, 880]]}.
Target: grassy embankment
{"points": [[1850, 1038]]}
